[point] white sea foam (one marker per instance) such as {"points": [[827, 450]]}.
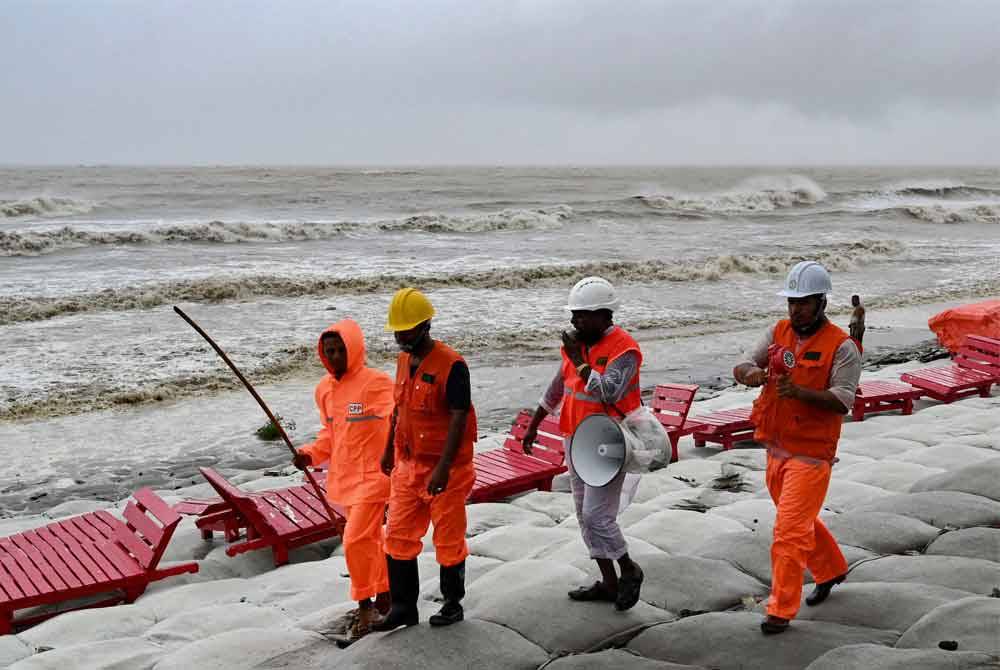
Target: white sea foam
{"points": [[219, 289], [37, 242]]}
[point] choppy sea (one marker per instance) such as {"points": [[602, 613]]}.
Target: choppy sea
{"points": [[104, 388]]}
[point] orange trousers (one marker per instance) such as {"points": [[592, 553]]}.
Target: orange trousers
{"points": [[412, 509], [364, 550], [800, 538]]}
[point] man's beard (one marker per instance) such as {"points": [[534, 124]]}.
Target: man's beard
{"points": [[811, 329], [410, 347]]}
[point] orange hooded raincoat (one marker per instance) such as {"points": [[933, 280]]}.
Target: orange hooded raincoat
{"points": [[356, 411]]}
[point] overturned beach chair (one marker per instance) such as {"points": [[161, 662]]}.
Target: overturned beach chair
{"points": [[725, 427], [86, 555], [279, 519], [508, 470], [671, 404], [976, 368], [883, 396]]}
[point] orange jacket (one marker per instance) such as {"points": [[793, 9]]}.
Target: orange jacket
{"points": [[795, 426], [422, 413], [356, 410], [577, 403]]}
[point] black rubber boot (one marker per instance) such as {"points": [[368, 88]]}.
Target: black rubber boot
{"points": [[404, 586], [822, 590], [453, 590]]}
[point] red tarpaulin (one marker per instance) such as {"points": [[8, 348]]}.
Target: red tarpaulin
{"points": [[952, 325]]}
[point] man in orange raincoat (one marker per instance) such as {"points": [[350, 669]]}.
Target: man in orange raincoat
{"points": [[355, 404], [429, 456], [807, 390]]}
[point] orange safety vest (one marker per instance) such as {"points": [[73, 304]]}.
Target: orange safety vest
{"points": [[795, 426], [577, 403], [422, 412]]}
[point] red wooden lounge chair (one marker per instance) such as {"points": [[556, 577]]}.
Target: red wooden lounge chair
{"points": [[215, 514], [725, 427], [281, 519], [86, 555], [976, 368], [508, 470], [671, 404], [882, 396]]}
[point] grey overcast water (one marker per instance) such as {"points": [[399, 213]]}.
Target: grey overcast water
{"points": [[104, 387]]}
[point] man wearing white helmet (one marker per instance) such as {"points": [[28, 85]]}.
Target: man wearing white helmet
{"points": [[599, 373], [798, 416]]}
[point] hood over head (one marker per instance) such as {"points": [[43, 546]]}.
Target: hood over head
{"points": [[354, 342]]}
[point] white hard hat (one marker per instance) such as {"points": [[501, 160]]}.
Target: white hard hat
{"points": [[807, 278], [592, 293]]}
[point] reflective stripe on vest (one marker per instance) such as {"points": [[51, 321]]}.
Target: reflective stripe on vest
{"points": [[355, 419], [577, 403]]}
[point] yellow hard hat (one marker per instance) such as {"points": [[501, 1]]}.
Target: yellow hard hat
{"points": [[409, 308]]}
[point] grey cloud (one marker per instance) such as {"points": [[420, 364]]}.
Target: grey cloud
{"points": [[513, 81]]}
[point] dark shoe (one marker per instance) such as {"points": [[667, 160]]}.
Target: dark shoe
{"points": [[450, 613], [362, 625], [453, 590], [822, 590], [404, 586], [629, 585], [597, 591], [772, 625]]}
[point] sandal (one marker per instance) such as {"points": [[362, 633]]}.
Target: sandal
{"points": [[597, 591], [628, 589]]}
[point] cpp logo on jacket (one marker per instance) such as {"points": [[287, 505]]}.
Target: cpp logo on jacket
{"points": [[355, 409]]}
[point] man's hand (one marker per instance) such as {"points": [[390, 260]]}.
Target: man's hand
{"points": [[786, 389], [749, 375], [439, 480], [572, 347], [528, 440], [755, 377], [302, 460], [388, 461]]}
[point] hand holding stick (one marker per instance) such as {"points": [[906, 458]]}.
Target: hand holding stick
{"points": [[263, 406]]}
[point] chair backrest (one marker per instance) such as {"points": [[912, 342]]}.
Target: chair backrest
{"points": [[241, 501], [549, 443], [980, 353], [672, 402], [149, 525]]}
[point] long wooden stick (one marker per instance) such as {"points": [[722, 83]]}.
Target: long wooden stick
{"points": [[263, 405]]}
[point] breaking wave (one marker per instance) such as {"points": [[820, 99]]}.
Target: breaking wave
{"points": [[293, 360], [836, 257], [758, 194], [298, 359], [985, 213], [37, 242], [44, 206], [946, 189]]}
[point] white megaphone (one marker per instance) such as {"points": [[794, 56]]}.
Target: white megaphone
{"points": [[600, 449]]}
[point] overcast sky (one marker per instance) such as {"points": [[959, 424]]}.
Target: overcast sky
{"points": [[510, 82]]}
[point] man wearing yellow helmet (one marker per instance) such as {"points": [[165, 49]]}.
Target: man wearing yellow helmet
{"points": [[429, 460]]}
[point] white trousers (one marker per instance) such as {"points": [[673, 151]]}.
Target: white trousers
{"points": [[597, 514]]}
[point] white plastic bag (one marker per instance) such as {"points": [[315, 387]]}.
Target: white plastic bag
{"points": [[651, 448]]}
